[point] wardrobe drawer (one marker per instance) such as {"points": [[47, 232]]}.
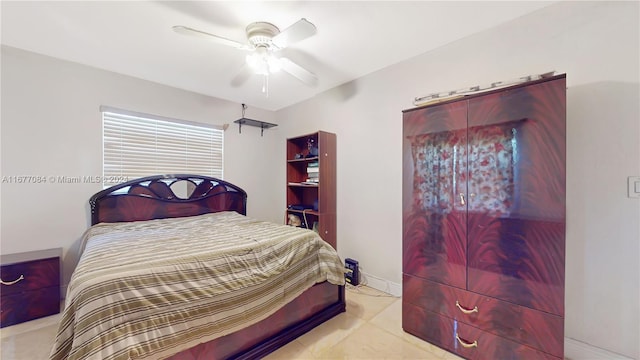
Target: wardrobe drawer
{"points": [[463, 339], [30, 275], [521, 324]]}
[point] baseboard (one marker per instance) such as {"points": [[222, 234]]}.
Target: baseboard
{"points": [[381, 284], [577, 350]]}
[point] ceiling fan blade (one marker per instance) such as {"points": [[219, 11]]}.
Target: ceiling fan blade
{"points": [[299, 72], [242, 76], [300, 30], [205, 35]]}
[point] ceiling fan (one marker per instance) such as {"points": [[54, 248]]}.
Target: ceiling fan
{"points": [[264, 41]]}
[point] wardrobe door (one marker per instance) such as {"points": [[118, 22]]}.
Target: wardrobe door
{"points": [[516, 220], [434, 188]]}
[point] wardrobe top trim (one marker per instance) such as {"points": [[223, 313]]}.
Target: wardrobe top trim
{"points": [[483, 93]]}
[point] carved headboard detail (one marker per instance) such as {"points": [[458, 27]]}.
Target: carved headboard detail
{"points": [[166, 196]]}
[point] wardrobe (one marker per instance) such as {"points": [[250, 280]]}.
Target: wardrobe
{"points": [[484, 222]]}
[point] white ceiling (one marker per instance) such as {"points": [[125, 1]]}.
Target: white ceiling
{"points": [[353, 38]]}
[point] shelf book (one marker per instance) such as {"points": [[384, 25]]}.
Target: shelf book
{"points": [[313, 172], [311, 183]]}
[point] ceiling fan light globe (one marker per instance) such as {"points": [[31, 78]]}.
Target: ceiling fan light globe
{"points": [[258, 64], [274, 64], [252, 60]]}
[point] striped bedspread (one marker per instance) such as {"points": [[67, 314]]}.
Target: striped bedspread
{"points": [[149, 289]]}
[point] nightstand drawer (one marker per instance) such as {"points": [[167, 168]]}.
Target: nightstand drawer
{"points": [[525, 325], [30, 287], [30, 275], [463, 339], [28, 305]]}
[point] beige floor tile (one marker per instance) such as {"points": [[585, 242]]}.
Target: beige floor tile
{"points": [[365, 303], [293, 350], [424, 345], [329, 333], [371, 342], [29, 326], [390, 319], [30, 345], [451, 356]]}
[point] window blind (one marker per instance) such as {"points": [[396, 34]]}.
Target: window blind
{"points": [[137, 145]]}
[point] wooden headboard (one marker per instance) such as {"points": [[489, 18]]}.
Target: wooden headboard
{"points": [[154, 197]]}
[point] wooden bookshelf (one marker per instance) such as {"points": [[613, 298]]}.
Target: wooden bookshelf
{"points": [[311, 182]]}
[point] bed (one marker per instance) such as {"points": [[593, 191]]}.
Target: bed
{"points": [[172, 268]]}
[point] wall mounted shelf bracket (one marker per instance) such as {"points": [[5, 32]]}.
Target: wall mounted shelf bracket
{"points": [[257, 123]]}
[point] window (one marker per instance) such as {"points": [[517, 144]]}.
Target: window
{"points": [[137, 145]]}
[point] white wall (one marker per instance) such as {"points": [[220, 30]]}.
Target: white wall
{"points": [[51, 126], [597, 45]]}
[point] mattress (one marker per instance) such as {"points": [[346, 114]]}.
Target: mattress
{"points": [[149, 289]]}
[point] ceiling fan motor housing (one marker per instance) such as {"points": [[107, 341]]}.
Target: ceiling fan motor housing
{"points": [[261, 33]]}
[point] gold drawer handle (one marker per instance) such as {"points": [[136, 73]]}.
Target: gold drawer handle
{"points": [[12, 282], [466, 344], [466, 311]]}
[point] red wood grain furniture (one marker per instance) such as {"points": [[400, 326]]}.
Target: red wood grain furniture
{"points": [[317, 197], [484, 222], [30, 286], [154, 198]]}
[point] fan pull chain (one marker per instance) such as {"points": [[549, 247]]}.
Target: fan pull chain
{"points": [[265, 85]]}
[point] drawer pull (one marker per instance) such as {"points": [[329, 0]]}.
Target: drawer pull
{"points": [[466, 344], [12, 282], [466, 311]]}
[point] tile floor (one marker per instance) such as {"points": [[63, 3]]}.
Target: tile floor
{"points": [[369, 329]]}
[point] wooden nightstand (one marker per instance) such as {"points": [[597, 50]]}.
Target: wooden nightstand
{"points": [[30, 287]]}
